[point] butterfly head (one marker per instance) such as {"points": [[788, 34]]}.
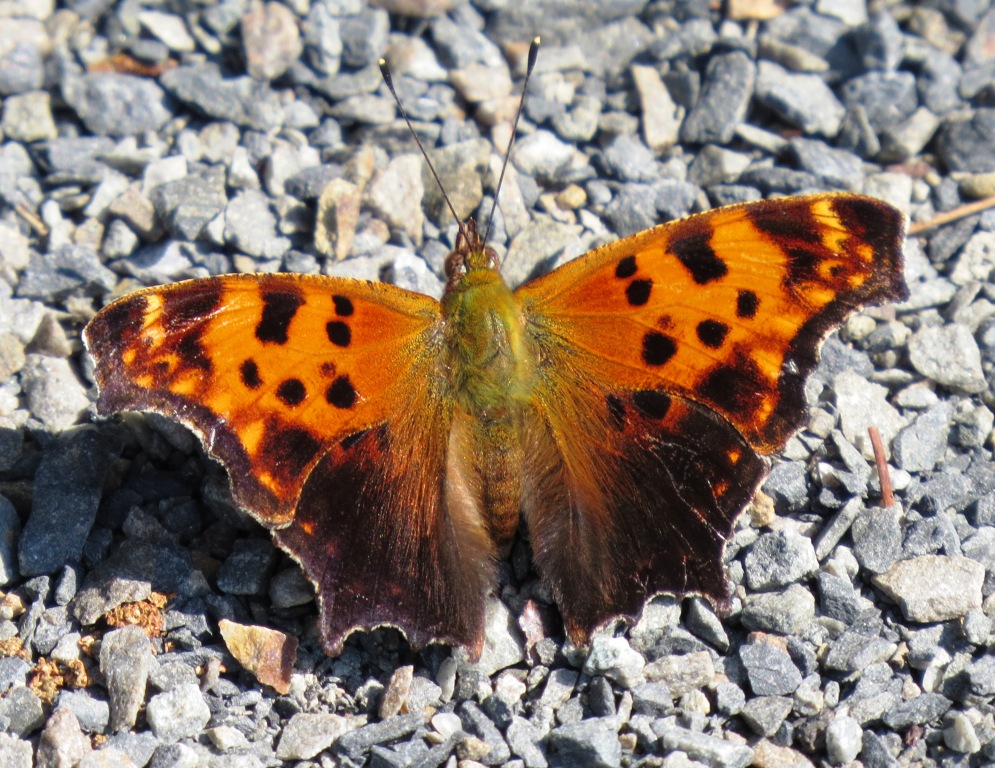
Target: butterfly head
{"points": [[470, 254]]}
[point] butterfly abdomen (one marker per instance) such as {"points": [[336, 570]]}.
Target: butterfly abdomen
{"points": [[491, 368]]}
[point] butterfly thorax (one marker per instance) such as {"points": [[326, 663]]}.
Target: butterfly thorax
{"points": [[490, 370]]}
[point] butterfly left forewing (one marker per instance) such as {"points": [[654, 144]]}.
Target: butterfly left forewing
{"points": [[671, 363], [268, 369]]}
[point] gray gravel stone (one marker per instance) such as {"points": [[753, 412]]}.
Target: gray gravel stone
{"points": [[922, 709], [92, 713], [614, 658], [524, 741], [765, 714], [112, 104], [769, 669], [778, 559], [247, 569], [800, 99], [251, 226], [15, 752], [354, 743], [241, 100], [307, 734], [724, 99], [934, 587], [786, 612], [21, 712], [10, 526], [949, 356], [65, 271], [178, 714], [590, 743], [710, 750], [921, 445], [67, 490], [125, 658], [966, 141], [877, 538]]}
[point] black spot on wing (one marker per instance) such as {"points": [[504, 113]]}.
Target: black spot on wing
{"points": [[287, 451], [249, 373], [651, 403], [291, 392], [341, 393], [695, 252], [712, 333], [626, 267], [343, 305], [637, 293], [747, 304], [192, 352], [279, 308], [737, 387], [338, 333], [658, 348]]}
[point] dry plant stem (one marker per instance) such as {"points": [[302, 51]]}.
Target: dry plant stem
{"points": [[887, 497], [947, 217]]}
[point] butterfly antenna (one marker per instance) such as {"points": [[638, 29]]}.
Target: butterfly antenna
{"points": [[533, 55], [385, 73]]}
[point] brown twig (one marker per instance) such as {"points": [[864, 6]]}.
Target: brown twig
{"points": [[955, 214], [887, 497]]}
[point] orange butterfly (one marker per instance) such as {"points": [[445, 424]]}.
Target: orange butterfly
{"points": [[624, 404]]}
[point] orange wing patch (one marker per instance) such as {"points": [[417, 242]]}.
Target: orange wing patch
{"points": [[270, 370], [727, 308]]}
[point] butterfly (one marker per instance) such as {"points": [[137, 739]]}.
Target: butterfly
{"points": [[625, 404]]}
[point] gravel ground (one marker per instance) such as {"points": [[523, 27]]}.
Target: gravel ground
{"points": [[145, 142]]}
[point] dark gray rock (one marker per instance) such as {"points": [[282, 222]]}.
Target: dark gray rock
{"points": [[10, 529], [765, 714], [778, 559], [125, 659], [587, 744], [69, 270], [112, 104], [354, 744], [93, 713], [67, 490], [241, 100], [835, 168], [247, 569], [966, 142], [187, 205], [130, 574], [21, 712], [837, 598], [923, 709], [769, 669], [477, 723], [877, 538], [725, 97], [802, 100]]}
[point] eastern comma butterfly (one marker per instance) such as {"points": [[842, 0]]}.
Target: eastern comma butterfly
{"points": [[625, 404]]}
